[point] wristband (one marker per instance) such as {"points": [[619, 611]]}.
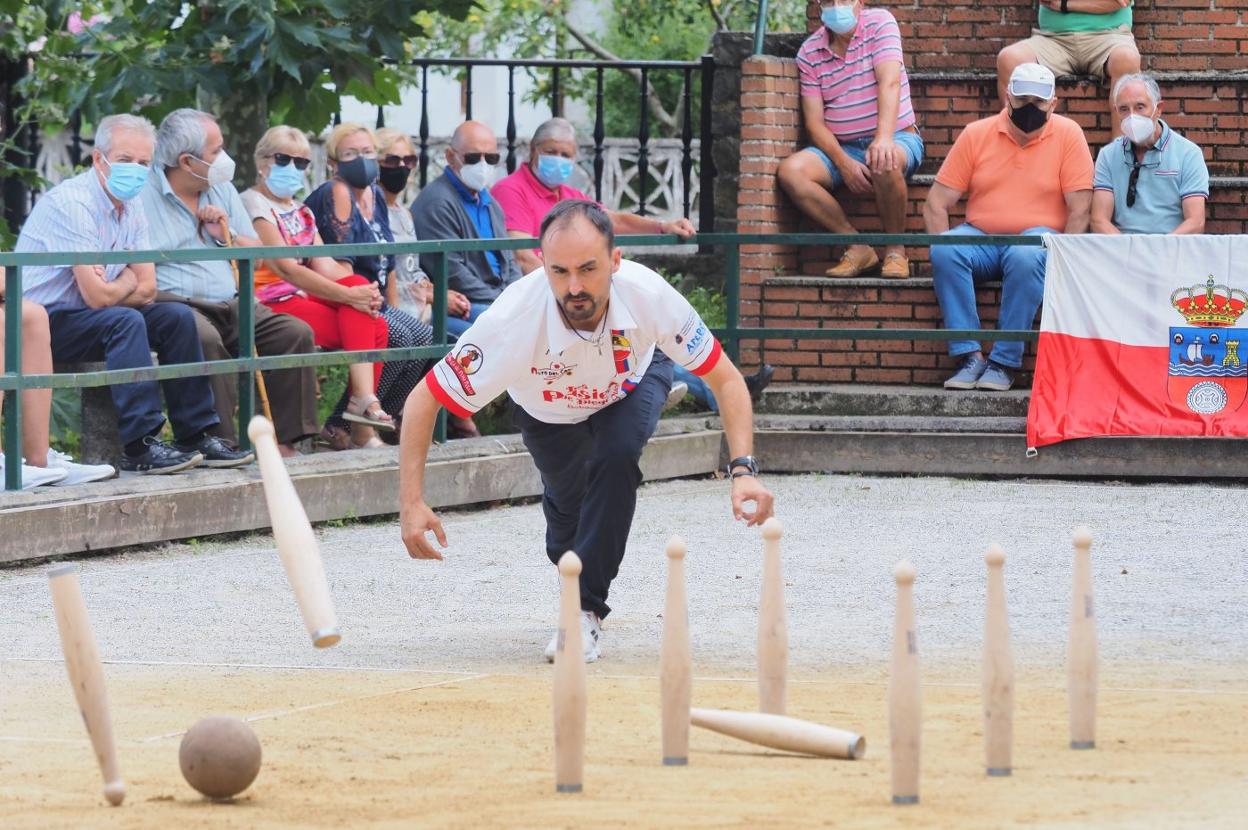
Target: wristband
{"points": [[1064, 7], [746, 461]]}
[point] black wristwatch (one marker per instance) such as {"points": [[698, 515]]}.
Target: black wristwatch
{"points": [[1064, 7], [746, 461]]}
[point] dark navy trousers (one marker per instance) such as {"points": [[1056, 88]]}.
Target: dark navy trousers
{"points": [[124, 338], [590, 474]]}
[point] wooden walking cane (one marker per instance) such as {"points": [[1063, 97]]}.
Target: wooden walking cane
{"points": [[264, 392]]}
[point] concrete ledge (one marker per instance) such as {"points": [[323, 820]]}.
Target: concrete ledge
{"points": [[876, 400]]}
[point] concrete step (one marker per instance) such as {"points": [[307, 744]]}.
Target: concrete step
{"points": [[894, 424], [878, 401]]}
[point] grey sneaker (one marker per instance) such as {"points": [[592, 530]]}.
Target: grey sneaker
{"points": [[996, 378], [679, 390], [591, 633], [968, 374], [76, 473]]}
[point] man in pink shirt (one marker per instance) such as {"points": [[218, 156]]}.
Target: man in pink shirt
{"points": [[528, 194], [856, 110]]}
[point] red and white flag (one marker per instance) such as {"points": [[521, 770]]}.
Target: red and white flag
{"points": [[1142, 335]]}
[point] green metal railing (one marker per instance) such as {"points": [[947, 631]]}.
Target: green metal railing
{"points": [[433, 254]]}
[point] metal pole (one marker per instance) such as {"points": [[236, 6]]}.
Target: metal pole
{"points": [[439, 272], [706, 165], [246, 346], [760, 27], [424, 126], [13, 366], [643, 144], [732, 292]]}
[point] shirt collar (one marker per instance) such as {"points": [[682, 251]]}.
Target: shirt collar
{"points": [[560, 337], [481, 197], [1152, 156], [823, 39], [538, 185], [101, 195]]}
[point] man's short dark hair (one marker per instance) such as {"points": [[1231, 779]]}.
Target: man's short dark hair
{"points": [[563, 214]]}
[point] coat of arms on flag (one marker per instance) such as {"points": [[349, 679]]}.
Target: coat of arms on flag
{"points": [[1207, 374]]}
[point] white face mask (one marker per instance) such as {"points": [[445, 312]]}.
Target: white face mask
{"points": [[220, 171], [477, 176], [1138, 128]]}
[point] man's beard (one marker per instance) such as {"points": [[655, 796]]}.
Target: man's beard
{"points": [[578, 314]]}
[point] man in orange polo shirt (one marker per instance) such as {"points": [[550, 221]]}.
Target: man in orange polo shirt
{"points": [[1025, 170]]}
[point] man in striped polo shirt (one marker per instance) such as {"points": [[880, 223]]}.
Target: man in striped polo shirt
{"points": [[856, 110]]}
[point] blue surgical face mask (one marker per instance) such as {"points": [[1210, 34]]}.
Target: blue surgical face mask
{"points": [[554, 170], [840, 19], [125, 178], [284, 181]]}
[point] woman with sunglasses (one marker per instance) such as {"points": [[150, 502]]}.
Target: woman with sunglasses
{"points": [[342, 309], [351, 208]]}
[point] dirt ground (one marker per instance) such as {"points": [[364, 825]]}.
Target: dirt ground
{"points": [[409, 749]]}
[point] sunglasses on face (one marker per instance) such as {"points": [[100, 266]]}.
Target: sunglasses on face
{"points": [[395, 161], [283, 159], [475, 158], [1131, 183]]}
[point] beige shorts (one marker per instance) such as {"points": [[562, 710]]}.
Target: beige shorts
{"points": [[1078, 53]]}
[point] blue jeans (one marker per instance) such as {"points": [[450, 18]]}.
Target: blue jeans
{"points": [[590, 475], [697, 387], [124, 338], [455, 326], [856, 149], [957, 269]]}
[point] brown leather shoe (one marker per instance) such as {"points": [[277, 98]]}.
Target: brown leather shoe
{"points": [[896, 267], [854, 266]]}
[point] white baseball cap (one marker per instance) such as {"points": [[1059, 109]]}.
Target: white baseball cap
{"points": [[1034, 80]]}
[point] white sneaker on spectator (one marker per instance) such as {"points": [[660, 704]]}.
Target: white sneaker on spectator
{"points": [[590, 636], [36, 476], [77, 473], [676, 395]]}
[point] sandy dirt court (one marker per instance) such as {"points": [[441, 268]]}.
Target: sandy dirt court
{"points": [[435, 710]]}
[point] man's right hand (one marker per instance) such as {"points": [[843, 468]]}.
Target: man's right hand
{"points": [[415, 522], [857, 177]]}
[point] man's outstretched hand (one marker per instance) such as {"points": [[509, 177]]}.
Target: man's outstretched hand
{"points": [[415, 522], [749, 488]]}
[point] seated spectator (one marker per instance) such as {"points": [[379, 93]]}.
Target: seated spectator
{"points": [[40, 463], [350, 208], [528, 194], [1151, 179], [856, 109], [189, 199], [397, 158], [1025, 170], [109, 313], [1077, 37], [343, 309], [458, 205]]}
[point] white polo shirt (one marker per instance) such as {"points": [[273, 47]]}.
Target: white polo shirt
{"points": [[561, 376]]}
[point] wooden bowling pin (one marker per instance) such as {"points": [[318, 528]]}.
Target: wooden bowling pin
{"points": [[86, 675], [1081, 658], [675, 660], [998, 671], [773, 632], [903, 693], [569, 681], [782, 732]]}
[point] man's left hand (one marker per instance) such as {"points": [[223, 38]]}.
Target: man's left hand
{"points": [[213, 218], [681, 227], [884, 156], [749, 488]]}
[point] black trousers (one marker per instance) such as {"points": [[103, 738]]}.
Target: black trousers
{"points": [[590, 474]]}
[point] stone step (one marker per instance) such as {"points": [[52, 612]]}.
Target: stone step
{"points": [[909, 407], [891, 423]]}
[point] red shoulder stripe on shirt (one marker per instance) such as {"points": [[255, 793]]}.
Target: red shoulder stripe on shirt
{"points": [[443, 398], [717, 352]]}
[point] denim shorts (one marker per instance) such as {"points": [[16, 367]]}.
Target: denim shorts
{"points": [[856, 149]]}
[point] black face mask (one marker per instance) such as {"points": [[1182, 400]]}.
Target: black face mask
{"points": [[394, 179], [1028, 117], [358, 172]]}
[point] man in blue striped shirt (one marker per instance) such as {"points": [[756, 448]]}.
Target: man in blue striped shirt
{"points": [[106, 312]]}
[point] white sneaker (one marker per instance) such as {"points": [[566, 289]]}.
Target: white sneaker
{"points": [[77, 473], [36, 476], [679, 390], [591, 634]]}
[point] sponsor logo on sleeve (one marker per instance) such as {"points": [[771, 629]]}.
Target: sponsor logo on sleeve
{"points": [[696, 340], [464, 361]]}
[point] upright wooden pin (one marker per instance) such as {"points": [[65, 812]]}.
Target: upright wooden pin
{"points": [[904, 709], [998, 671], [1081, 659], [569, 683], [773, 632], [675, 660], [86, 675], [296, 543]]}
